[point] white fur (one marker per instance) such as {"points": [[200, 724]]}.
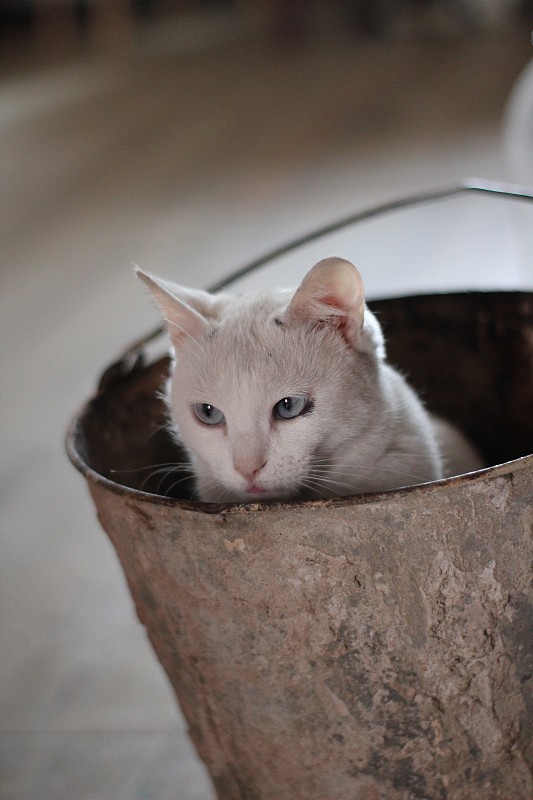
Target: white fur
{"points": [[367, 430]]}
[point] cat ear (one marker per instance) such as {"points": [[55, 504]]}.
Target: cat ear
{"points": [[186, 312], [331, 292]]}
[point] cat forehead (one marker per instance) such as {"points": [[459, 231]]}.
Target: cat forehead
{"points": [[251, 341], [257, 305], [250, 318], [251, 359]]}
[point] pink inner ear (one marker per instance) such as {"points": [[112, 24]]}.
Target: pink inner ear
{"points": [[332, 288], [332, 300]]}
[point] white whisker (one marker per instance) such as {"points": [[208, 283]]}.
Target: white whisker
{"points": [[319, 481], [370, 470], [148, 466], [176, 483], [158, 428], [165, 473], [308, 485]]}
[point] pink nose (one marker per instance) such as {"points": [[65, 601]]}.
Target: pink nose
{"points": [[248, 471]]}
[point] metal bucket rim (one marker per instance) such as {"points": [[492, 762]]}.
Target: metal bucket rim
{"points": [[95, 478]]}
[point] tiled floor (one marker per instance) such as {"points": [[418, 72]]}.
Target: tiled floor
{"points": [[189, 155]]}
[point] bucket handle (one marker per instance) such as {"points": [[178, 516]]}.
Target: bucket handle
{"points": [[134, 358]]}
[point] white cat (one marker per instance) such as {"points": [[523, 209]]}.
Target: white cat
{"points": [[288, 395]]}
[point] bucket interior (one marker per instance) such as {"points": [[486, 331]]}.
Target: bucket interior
{"points": [[470, 357]]}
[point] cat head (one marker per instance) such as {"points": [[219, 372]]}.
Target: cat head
{"points": [[268, 388]]}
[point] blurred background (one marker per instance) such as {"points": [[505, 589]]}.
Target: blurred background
{"points": [[190, 137]]}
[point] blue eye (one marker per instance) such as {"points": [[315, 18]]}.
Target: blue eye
{"points": [[290, 407], [208, 414]]}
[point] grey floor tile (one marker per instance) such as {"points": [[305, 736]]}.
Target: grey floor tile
{"points": [[95, 766]]}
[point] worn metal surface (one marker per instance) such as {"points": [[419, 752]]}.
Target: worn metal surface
{"points": [[364, 648]]}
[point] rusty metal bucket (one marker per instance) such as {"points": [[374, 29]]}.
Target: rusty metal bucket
{"points": [[378, 646]]}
